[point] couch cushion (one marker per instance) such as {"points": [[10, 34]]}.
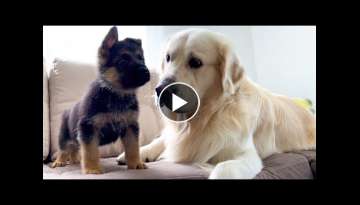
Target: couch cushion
{"points": [[277, 166], [149, 117], [286, 166], [311, 157], [156, 170], [69, 81], [46, 124]]}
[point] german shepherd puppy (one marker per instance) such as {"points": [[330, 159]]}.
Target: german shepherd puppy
{"points": [[109, 110]]}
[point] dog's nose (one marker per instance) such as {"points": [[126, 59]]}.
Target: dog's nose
{"points": [[158, 90], [163, 84]]}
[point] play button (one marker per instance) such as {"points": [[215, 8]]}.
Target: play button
{"points": [[178, 102]]}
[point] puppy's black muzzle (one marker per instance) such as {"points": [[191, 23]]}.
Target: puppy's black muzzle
{"points": [[142, 75], [136, 77]]}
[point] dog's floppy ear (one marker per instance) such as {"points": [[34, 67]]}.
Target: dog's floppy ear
{"points": [[230, 69], [110, 39]]}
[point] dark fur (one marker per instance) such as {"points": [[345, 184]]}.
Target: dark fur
{"points": [[99, 100], [108, 96]]}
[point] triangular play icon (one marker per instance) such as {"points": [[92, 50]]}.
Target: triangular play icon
{"points": [[177, 102]]}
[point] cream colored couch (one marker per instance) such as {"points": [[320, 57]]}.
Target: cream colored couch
{"points": [[64, 85]]}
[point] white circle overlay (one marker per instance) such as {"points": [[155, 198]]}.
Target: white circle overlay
{"points": [[171, 84]]}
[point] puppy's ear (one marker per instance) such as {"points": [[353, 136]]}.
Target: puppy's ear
{"points": [[110, 39], [138, 41], [230, 69]]}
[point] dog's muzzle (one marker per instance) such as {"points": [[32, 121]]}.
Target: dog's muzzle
{"points": [[135, 77], [163, 84], [143, 74]]}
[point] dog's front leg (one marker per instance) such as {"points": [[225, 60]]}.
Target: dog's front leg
{"points": [[90, 157], [148, 153], [89, 142], [131, 146], [245, 166]]}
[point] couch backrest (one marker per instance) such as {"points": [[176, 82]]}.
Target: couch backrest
{"points": [[68, 82], [46, 125]]}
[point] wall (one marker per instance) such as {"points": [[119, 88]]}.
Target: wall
{"points": [[285, 59], [239, 35], [280, 58], [81, 43]]}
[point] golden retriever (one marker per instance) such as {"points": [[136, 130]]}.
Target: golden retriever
{"points": [[238, 123]]}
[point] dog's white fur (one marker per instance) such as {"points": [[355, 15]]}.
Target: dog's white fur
{"points": [[238, 123]]}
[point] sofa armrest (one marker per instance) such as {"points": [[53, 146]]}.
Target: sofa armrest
{"points": [[292, 165], [311, 157], [46, 120]]}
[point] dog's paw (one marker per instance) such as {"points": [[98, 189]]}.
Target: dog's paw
{"points": [[235, 169], [222, 171], [145, 156], [139, 165], [92, 171], [58, 163], [74, 161], [121, 159]]}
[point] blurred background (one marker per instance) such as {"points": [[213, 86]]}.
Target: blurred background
{"points": [[280, 58]]}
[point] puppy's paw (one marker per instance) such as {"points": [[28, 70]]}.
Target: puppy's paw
{"points": [[121, 159], [74, 161], [92, 170], [139, 165], [58, 163]]}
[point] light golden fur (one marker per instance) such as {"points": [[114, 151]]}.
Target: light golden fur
{"points": [[238, 123]]}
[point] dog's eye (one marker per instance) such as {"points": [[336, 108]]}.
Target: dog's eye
{"points": [[167, 57], [195, 63]]}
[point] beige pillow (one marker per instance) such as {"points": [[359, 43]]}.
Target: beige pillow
{"points": [[69, 81], [46, 128]]}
